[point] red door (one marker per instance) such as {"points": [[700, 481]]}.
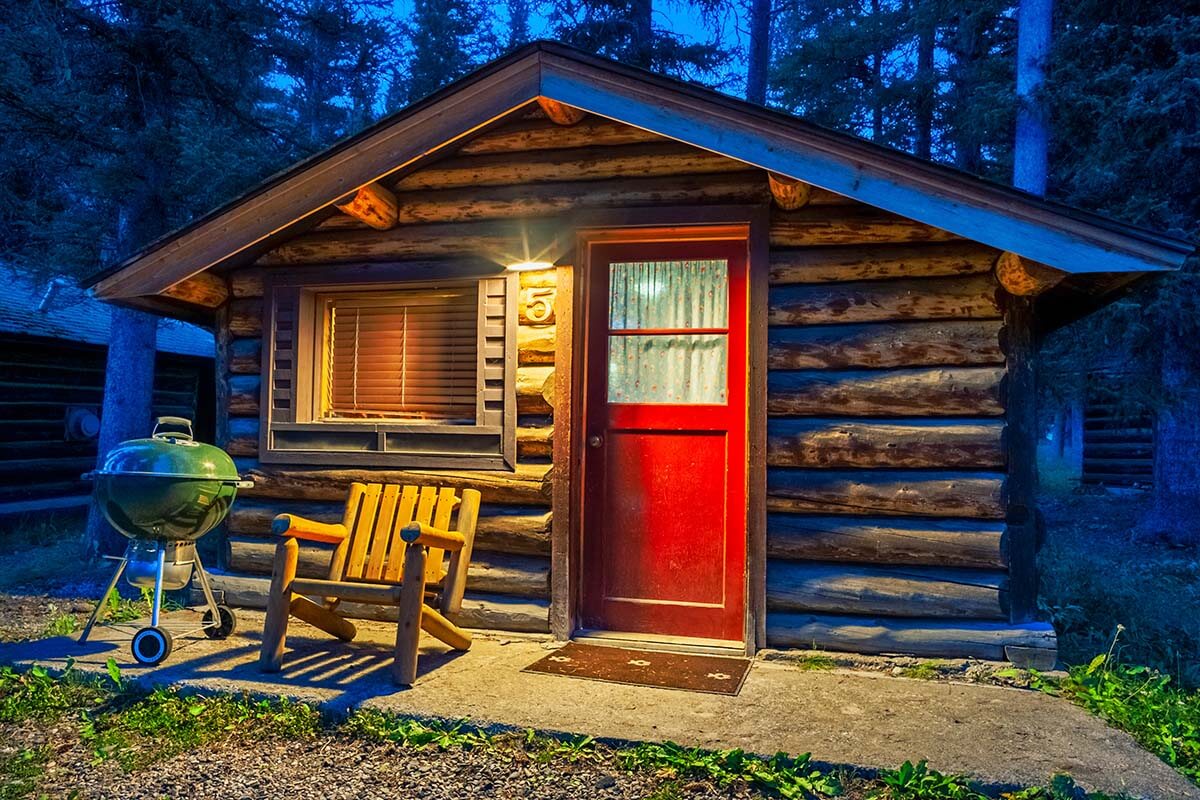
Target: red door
{"points": [[664, 519]]}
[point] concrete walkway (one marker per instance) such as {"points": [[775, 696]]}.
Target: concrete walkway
{"points": [[994, 734]]}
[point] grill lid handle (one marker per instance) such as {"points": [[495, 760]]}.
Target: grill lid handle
{"points": [[174, 422]]}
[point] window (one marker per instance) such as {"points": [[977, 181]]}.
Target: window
{"points": [[390, 373], [407, 354]]}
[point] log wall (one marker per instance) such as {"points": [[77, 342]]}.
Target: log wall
{"points": [[886, 449]]}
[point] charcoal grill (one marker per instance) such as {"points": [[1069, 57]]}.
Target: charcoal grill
{"points": [[163, 493]]}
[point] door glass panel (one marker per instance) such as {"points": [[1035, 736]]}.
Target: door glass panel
{"points": [[667, 368], [668, 294]]}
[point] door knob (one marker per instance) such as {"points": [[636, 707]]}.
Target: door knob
{"points": [[595, 441]]}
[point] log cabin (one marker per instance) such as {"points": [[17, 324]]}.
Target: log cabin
{"points": [[725, 379], [53, 346]]}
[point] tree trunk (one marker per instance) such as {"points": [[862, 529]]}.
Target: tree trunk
{"points": [[758, 59], [1176, 443], [641, 48], [128, 387], [926, 91], [1033, 48]]}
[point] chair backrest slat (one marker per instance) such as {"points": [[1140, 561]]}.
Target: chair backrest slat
{"points": [[404, 515], [337, 564], [381, 534], [435, 568], [360, 536]]}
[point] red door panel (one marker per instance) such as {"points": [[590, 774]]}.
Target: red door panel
{"points": [[665, 440]]}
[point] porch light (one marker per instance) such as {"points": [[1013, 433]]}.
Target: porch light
{"points": [[524, 266]]}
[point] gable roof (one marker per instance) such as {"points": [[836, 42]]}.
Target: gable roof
{"points": [[1063, 237], [59, 309]]}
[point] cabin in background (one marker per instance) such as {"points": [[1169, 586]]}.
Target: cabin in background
{"points": [[53, 339], [561, 280]]}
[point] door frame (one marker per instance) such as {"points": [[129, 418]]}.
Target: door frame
{"points": [[750, 222]]}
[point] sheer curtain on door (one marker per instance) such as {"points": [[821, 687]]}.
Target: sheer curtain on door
{"points": [[668, 326]]}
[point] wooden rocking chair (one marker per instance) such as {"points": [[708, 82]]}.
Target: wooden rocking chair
{"points": [[390, 550]]}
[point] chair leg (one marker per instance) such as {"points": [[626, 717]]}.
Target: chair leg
{"points": [[321, 617], [287, 555], [408, 627]]}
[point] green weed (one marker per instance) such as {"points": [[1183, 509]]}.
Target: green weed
{"points": [[1160, 716], [919, 782], [925, 671], [63, 624], [410, 732], [548, 748], [814, 662], [782, 775], [36, 695], [139, 730], [21, 771]]}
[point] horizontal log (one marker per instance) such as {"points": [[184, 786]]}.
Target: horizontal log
{"points": [[834, 264], [246, 282], [498, 573], [480, 611], [205, 289], [527, 485], [913, 637], [539, 135], [246, 316], [535, 390], [876, 345], [470, 203], [915, 444], [245, 356], [535, 442], [535, 344], [930, 391], [876, 540], [244, 393], [499, 241], [243, 436], [970, 297], [974, 495], [574, 164], [501, 529], [856, 225], [889, 591]]}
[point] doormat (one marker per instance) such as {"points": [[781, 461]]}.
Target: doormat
{"points": [[690, 673]]}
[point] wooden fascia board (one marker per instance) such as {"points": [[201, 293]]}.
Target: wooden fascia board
{"points": [[904, 187], [312, 189]]}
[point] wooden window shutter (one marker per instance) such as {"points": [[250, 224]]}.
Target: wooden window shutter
{"points": [[280, 341]]}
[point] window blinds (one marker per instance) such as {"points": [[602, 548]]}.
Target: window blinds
{"points": [[408, 354]]}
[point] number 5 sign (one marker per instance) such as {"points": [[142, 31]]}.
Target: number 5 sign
{"points": [[539, 303]]}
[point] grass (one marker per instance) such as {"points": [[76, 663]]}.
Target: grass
{"points": [[1162, 717], [1095, 577], [924, 671], [134, 729]]}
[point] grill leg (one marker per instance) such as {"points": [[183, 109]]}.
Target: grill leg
{"points": [[206, 588], [100, 606], [161, 552]]}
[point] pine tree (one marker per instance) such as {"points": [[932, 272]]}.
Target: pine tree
{"points": [[624, 30], [444, 40]]}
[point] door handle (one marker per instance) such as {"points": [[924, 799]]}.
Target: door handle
{"points": [[595, 440]]}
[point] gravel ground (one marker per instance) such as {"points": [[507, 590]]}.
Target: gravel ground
{"points": [[334, 767], [24, 617]]}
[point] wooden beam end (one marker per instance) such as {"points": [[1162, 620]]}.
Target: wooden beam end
{"points": [[1024, 278], [560, 113], [790, 194], [372, 205]]}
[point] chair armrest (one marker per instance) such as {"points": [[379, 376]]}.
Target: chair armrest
{"points": [[420, 533], [296, 527]]}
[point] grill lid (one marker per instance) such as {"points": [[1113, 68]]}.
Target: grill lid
{"points": [[170, 454]]}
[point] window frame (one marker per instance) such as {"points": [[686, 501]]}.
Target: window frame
{"points": [[290, 404]]}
